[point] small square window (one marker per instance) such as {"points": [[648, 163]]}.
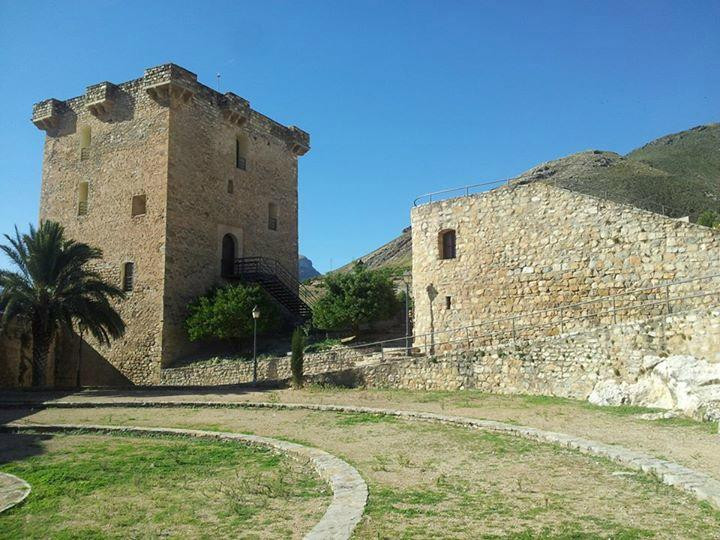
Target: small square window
{"points": [[139, 205], [241, 151], [82, 199], [448, 302], [272, 217]]}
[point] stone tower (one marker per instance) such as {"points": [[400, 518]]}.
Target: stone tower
{"points": [[169, 178]]}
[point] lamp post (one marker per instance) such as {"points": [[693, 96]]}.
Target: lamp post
{"points": [[255, 316], [406, 277]]}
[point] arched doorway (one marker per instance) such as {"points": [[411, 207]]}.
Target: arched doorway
{"points": [[228, 254]]}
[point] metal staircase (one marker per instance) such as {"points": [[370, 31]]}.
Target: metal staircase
{"points": [[276, 280]]}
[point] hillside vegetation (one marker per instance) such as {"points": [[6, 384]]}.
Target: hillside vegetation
{"points": [[676, 175], [397, 254]]}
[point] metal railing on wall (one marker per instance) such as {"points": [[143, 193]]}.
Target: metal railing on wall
{"points": [[648, 203], [631, 306]]}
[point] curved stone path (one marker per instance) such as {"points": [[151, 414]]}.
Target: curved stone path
{"points": [[349, 489], [13, 491], [701, 485]]}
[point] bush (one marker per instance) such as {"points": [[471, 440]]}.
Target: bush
{"points": [[226, 313], [321, 346], [709, 218], [353, 298], [297, 358]]}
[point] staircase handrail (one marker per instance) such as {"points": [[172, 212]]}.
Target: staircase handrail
{"points": [[272, 266]]}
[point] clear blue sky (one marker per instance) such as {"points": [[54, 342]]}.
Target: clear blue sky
{"points": [[400, 98]]}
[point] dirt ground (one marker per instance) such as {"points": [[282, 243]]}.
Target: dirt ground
{"points": [[433, 481], [694, 445]]}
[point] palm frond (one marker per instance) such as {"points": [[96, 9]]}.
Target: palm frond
{"points": [[56, 284]]}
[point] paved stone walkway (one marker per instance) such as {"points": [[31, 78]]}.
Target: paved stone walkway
{"points": [[13, 491], [701, 485], [349, 489]]}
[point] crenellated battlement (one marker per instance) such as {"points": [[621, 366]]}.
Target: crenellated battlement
{"points": [[46, 114], [100, 98], [168, 85]]}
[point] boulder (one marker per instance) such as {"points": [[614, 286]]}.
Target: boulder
{"points": [[679, 383]]}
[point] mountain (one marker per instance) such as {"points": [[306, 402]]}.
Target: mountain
{"points": [[396, 254], [676, 175], [306, 270], [692, 156]]}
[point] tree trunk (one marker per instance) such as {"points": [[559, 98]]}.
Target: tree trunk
{"points": [[42, 337], [25, 358], [79, 362]]}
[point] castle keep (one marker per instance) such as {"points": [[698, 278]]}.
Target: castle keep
{"points": [[180, 186]]}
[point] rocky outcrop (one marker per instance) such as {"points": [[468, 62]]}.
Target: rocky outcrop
{"points": [[306, 270], [679, 383], [397, 252]]}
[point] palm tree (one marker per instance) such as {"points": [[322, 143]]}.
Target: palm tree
{"points": [[55, 289]]}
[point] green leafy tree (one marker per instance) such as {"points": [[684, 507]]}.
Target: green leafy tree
{"points": [[709, 218], [54, 289], [225, 313], [353, 298], [297, 357]]}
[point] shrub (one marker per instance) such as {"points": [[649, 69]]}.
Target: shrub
{"points": [[321, 346], [297, 358], [709, 218], [226, 313], [353, 298]]}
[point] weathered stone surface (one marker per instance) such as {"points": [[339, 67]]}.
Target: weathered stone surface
{"points": [[230, 371], [163, 136], [527, 248], [681, 383], [569, 365], [349, 489]]}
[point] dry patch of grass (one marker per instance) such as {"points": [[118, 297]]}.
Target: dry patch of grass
{"points": [[91, 486], [437, 481]]}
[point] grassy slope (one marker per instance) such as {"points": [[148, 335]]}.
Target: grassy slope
{"points": [[693, 155], [394, 254]]}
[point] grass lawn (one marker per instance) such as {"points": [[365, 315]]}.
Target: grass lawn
{"points": [[436, 481], [102, 486]]}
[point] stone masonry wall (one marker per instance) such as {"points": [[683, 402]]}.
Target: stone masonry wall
{"points": [[566, 366], [16, 358], [127, 156], [527, 248], [226, 372], [170, 139], [201, 210]]}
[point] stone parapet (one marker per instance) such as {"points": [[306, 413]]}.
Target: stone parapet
{"points": [[100, 98], [235, 109], [46, 114]]}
